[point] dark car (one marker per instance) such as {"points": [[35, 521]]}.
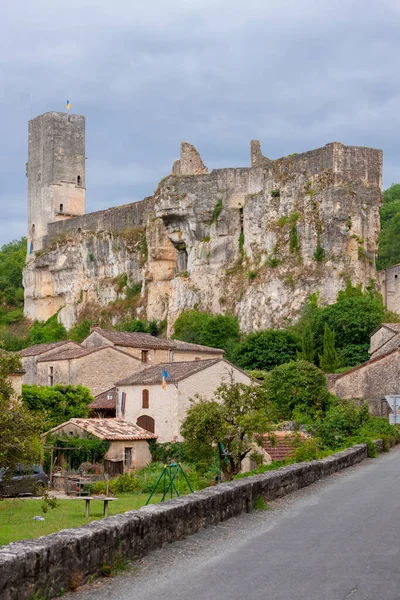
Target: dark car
{"points": [[24, 480]]}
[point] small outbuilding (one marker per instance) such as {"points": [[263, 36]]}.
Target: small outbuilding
{"points": [[129, 448]]}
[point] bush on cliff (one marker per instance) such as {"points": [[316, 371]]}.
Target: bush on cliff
{"points": [[216, 331]]}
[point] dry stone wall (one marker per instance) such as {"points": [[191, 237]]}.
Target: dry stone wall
{"points": [[64, 560]]}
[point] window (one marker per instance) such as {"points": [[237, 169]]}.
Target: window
{"points": [[145, 354], [128, 458], [145, 399], [61, 207], [109, 396], [78, 180], [51, 376]]}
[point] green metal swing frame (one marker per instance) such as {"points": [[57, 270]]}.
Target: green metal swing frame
{"points": [[169, 474]]}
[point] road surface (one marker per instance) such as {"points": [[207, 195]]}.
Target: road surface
{"points": [[338, 539]]}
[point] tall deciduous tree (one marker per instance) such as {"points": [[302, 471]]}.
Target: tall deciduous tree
{"points": [[237, 417], [266, 349], [19, 429]]}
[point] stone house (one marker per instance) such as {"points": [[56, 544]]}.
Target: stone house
{"points": [[384, 338], [372, 381], [149, 349], [30, 356], [104, 405], [141, 399], [128, 449], [96, 368], [16, 380]]}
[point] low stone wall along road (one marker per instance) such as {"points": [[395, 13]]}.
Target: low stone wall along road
{"points": [[337, 539]]}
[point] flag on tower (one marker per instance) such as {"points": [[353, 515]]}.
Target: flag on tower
{"points": [[68, 104], [164, 379]]}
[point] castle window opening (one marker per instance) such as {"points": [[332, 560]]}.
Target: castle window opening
{"points": [[145, 356], [78, 180], [145, 399], [61, 207], [395, 276]]}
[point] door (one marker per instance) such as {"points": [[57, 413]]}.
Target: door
{"points": [[147, 423]]}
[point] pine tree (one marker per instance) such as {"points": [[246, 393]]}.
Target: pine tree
{"points": [[328, 360], [307, 352]]}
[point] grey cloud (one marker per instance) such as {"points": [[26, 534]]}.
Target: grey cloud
{"points": [[295, 74]]}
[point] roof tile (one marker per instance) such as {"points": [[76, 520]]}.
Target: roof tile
{"points": [[109, 429], [176, 372]]}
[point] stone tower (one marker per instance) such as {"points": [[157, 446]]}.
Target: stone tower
{"points": [[55, 171]]}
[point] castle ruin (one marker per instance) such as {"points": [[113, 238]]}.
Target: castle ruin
{"points": [[254, 241]]}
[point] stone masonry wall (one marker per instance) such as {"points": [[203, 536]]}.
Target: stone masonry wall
{"points": [[64, 560], [255, 241]]}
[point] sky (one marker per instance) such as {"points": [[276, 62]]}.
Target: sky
{"points": [[295, 74]]}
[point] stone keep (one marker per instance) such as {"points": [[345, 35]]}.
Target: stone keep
{"points": [[56, 172]]}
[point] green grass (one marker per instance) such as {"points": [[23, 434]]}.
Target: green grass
{"points": [[16, 515]]}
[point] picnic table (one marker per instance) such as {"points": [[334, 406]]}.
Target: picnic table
{"points": [[87, 500]]}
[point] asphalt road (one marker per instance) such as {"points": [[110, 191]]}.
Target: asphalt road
{"points": [[335, 540]]}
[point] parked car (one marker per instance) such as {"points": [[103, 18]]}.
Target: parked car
{"points": [[24, 480]]}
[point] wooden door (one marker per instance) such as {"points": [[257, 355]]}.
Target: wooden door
{"points": [[147, 423]]}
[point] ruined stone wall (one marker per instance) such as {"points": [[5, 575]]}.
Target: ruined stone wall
{"points": [[255, 241], [33, 567]]}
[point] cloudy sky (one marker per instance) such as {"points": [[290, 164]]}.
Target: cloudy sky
{"points": [[295, 74]]}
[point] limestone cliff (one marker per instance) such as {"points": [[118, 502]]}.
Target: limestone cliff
{"points": [[255, 241]]}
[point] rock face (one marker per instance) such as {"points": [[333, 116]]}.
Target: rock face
{"points": [[254, 241]]}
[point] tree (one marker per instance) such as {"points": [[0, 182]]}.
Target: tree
{"points": [[237, 417], [389, 245], [57, 404], [298, 388], [328, 360], [266, 349], [307, 351], [219, 331], [19, 428]]}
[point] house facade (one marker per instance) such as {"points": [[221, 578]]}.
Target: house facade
{"points": [[94, 368], [142, 400], [30, 356]]}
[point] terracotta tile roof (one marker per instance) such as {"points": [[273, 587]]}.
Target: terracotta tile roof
{"points": [[176, 372], [284, 444], [103, 401], [145, 340], [109, 429], [80, 352], [38, 349]]}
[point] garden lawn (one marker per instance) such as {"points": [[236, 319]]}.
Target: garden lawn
{"points": [[16, 515]]}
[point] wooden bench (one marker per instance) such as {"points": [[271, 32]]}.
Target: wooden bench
{"points": [[87, 500]]}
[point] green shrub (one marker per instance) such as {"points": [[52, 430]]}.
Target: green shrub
{"points": [[275, 193], [217, 211], [300, 385], [266, 349], [252, 275], [319, 254]]}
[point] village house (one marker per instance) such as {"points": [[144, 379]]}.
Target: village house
{"points": [[149, 349], [142, 400], [384, 338], [96, 368], [376, 378], [30, 356], [16, 379], [104, 405], [128, 449]]}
